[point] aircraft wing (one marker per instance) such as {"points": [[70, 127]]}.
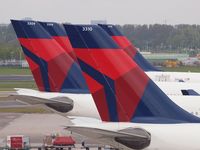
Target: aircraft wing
{"points": [[135, 138], [59, 104]]}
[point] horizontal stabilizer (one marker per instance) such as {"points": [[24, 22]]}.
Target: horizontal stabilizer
{"points": [[60, 104]]}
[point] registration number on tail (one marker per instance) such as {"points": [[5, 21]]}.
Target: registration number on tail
{"points": [[87, 29]]}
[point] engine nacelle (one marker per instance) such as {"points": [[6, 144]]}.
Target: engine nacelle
{"points": [[141, 141]]}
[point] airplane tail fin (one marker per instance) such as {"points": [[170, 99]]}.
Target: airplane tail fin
{"points": [[128, 47], [58, 33], [53, 69], [121, 90], [190, 92]]}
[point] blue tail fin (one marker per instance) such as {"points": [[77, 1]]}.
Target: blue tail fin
{"points": [[121, 90], [128, 47], [190, 92], [53, 69]]}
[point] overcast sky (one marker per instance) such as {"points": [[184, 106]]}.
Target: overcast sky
{"points": [[114, 11]]}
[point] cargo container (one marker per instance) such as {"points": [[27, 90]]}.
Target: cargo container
{"points": [[58, 142], [16, 142]]}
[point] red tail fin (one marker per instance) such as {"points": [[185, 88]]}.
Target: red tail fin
{"points": [[128, 47], [121, 90], [53, 69]]}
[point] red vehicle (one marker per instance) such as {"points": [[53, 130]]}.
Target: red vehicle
{"points": [[63, 141], [16, 142], [58, 142]]}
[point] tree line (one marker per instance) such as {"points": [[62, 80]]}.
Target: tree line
{"points": [[154, 38], [9, 46], [160, 37]]}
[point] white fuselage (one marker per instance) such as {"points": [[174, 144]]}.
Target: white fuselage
{"points": [[174, 88], [188, 77], [84, 104], [173, 82]]}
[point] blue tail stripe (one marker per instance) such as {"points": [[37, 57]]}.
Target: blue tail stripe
{"points": [[108, 87], [111, 29], [143, 63], [53, 28], [74, 79], [43, 67], [157, 120], [155, 104], [87, 36], [29, 29], [75, 91]]}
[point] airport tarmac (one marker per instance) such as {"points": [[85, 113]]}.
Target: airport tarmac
{"points": [[13, 103], [16, 78], [3, 94], [35, 126]]}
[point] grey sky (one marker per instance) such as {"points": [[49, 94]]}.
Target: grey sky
{"points": [[114, 11]]}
